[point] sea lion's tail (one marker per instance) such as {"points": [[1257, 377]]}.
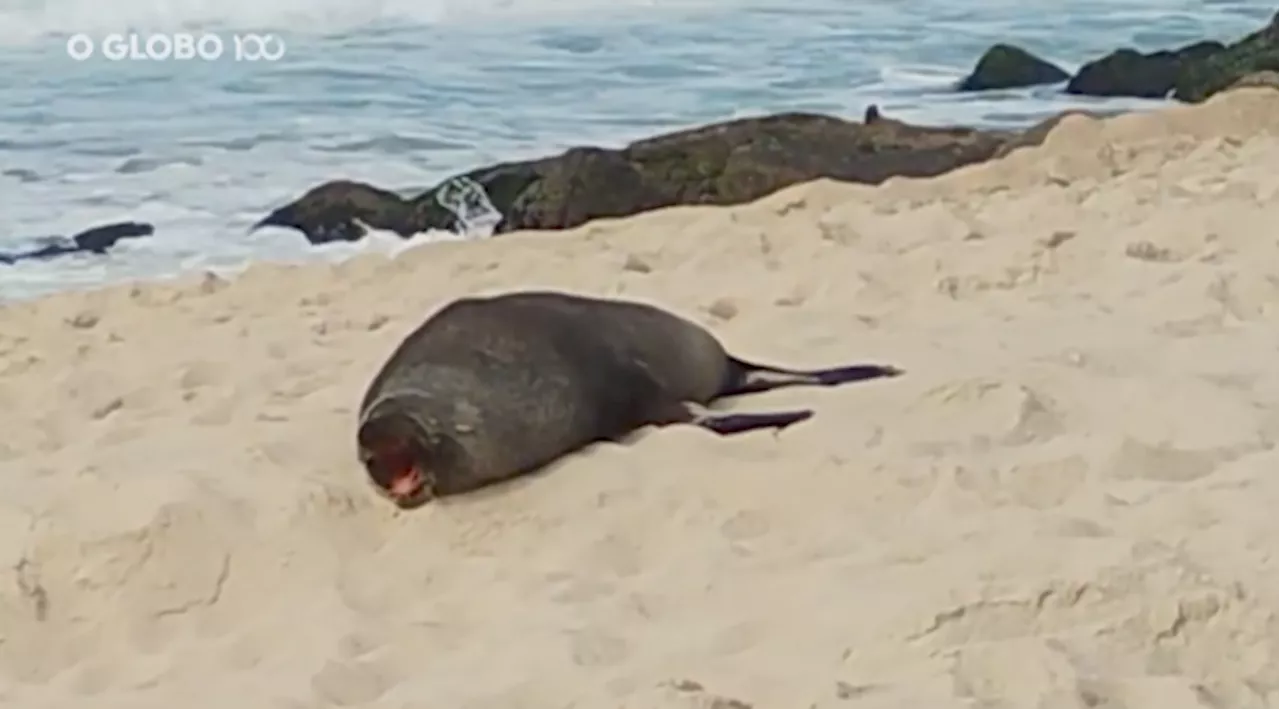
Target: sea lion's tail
{"points": [[749, 377]]}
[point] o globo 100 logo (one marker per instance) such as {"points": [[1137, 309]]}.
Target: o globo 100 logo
{"points": [[181, 46]]}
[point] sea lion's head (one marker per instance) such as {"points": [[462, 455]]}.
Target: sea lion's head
{"points": [[398, 451]]}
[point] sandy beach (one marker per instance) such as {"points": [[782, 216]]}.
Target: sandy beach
{"points": [[1069, 500]]}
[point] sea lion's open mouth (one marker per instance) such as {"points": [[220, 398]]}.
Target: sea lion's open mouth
{"points": [[404, 477], [406, 484], [394, 467], [392, 448]]}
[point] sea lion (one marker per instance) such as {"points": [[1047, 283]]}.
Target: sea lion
{"points": [[490, 388]]}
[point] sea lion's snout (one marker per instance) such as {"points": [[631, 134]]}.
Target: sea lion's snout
{"points": [[396, 461]]}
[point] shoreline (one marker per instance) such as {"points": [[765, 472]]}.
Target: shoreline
{"points": [[348, 202], [528, 193], [193, 223]]}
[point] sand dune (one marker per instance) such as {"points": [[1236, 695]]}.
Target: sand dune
{"points": [[1069, 500]]}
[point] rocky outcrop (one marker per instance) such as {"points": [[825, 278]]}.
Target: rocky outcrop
{"points": [[96, 240], [1191, 73], [718, 164], [733, 162], [1253, 54], [1128, 72], [1005, 66], [340, 210]]}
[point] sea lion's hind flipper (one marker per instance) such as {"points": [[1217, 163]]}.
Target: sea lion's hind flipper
{"points": [[853, 373], [750, 378], [730, 424], [724, 424]]}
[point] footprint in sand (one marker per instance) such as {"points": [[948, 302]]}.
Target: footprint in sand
{"points": [[1040, 484], [981, 413], [594, 648], [349, 683], [1134, 459]]}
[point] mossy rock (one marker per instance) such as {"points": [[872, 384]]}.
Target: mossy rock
{"points": [[1198, 80], [1191, 73], [722, 163], [1127, 72]]}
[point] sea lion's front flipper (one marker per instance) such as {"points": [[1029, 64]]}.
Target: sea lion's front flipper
{"points": [[750, 378]]}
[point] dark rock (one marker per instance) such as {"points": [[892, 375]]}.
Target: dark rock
{"points": [[590, 183], [721, 164], [90, 241], [1005, 66], [740, 161], [1251, 55], [1127, 72], [100, 238], [330, 212], [1191, 73], [463, 200]]}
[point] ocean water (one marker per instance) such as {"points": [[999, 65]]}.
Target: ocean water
{"points": [[405, 92]]}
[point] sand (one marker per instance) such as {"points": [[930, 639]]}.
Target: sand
{"points": [[1068, 501]]}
